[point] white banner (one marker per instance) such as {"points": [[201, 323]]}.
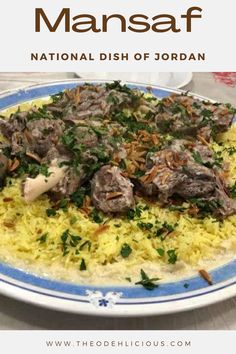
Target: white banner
{"points": [[166, 342], [177, 35]]}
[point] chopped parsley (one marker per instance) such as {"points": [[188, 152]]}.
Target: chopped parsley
{"points": [[128, 279], [126, 250], [172, 256], [197, 157], [39, 113], [86, 243], [206, 206], [57, 97], [136, 212], [67, 240], [43, 238], [233, 191], [82, 265], [111, 98], [78, 197], [160, 251], [145, 225], [96, 216], [73, 220], [146, 282], [176, 208], [165, 230], [230, 150], [51, 212], [206, 113]]}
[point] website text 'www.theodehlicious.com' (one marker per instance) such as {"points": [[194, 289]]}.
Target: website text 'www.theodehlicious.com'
{"points": [[117, 343]]}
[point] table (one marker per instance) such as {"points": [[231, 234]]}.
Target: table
{"points": [[16, 315]]}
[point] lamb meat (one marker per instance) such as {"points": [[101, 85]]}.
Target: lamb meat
{"points": [[110, 191], [16, 123], [68, 184], [44, 134], [174, 171], [86, 136], [90, 101], [184, 115], [3, 167]]}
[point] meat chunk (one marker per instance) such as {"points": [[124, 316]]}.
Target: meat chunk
{"points": [[110, 191], [68, 184], [174, 171], [3, 167], [16, 123], [86, 136], [43, 134], [88, 101], [187, 116]]}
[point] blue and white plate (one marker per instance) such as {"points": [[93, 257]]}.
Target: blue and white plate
{"points": [[109, 300]]}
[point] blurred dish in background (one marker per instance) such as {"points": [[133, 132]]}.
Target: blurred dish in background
{"points": [[173, 80]]}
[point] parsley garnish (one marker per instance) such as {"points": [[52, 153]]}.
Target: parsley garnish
{"points": [[86, 243], [135, 213], [96, 216], [78, 197], [146, 282], [126, 250], [43, 238], [51, 212], [172, 256], [165, 230], [57, 97], [67, 240], [230, 150], [128, 279], [160, 251], [197, 157], [233, 190], [145, 225], [82, 265], [177, 208]]}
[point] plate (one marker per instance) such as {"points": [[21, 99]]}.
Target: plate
{"points": [[173, 80], [113, 301]]}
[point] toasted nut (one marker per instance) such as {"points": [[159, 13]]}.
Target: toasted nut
{"points": [[6, 200], [113, 195], [206, 276], [101, 229], [33, 156], [8, 224], [13, 165]]}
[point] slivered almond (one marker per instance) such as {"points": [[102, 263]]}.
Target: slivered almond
{"points": [[202, 140], [28, 136], [155, 139], [6, 200], [84, 212], [101, 229], [206, 276], [33, 156], [87, 202], [113, 195], [164, 177], [13, 165], [150, 176], [8, 224], [77, 95]]}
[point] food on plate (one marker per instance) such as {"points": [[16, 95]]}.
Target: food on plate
{"points": [[106, 182]]}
